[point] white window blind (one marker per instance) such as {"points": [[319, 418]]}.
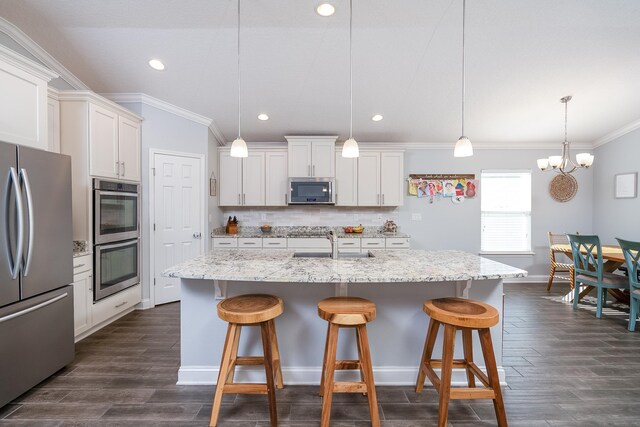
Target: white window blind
{"points": [[505, 211]]}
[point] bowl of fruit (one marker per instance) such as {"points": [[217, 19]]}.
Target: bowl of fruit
{"points": [[354, 229], [266, 228]]}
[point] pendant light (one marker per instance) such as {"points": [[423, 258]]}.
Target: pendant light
{"points": [[238, 146], [350, 147], [463, 146]]}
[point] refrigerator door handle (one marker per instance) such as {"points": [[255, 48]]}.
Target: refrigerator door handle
{"points": [[30, 213], [20, 238], [34, 308]]}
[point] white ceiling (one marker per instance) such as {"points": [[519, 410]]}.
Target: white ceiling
{"points": [[522, 57]]}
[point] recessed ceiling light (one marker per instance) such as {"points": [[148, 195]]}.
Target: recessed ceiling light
{"points": [[325, 9], [263, 117], [156, 64], [377, 117]]}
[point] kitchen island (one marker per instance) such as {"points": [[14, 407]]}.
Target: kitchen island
{"points": [[397, 281]]}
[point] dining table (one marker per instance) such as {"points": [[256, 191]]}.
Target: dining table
{"points": [[613, 259]]}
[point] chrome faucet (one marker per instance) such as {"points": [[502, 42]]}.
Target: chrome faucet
{"points": [[334, 244]]}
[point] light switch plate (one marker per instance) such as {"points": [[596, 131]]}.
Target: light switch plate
{"points": [[416, 217]]}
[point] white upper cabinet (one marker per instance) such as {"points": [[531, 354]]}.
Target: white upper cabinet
{"points": [[253, 179], [230, 179], [346, 180], [23, 100], [53, 121], [392, 178], [242, 180], [311, 156], [103, 145], [129, 148], [369, 179], [277, 180]]}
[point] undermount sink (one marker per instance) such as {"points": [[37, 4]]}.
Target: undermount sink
{"points": [[328, 255]]}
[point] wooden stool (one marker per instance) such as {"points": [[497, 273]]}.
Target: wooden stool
{"points": [[465, 315], [249, 310], [347, 312]]}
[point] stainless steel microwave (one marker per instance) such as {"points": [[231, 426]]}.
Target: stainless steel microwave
{"points": [[311, 191]]}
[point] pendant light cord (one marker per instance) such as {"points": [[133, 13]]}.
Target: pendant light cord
{"points": [[350, 70], [464, 7], [238, 69], [565, 121]]}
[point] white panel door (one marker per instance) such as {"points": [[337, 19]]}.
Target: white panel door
{"points": [[178, 212], [391, 178], [230, 180], [346, 180], [253, 179], [369, 179], [277, 182], [103, 142], [129, 148], [322, 156], [299, 159]]}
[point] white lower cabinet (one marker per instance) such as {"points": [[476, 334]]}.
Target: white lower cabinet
{"points": [[373, 243], [274, 243], [250, 242], [115, 304], [309, 244], [398, 243], [349, 244], [82, 293], [225, 242]]}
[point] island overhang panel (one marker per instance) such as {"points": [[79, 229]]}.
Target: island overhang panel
{"points": [[397, 281]]}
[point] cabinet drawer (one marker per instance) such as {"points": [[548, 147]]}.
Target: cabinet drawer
{"points": [[308, 243], [225, 242], [250, 242], [373, 242], [115, 304], [397, 243], [274, 243], [349, 243], [82, 263]]}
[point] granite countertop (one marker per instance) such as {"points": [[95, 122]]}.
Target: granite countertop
{"points": [[399, 266], [303, 231], [81, 248]]}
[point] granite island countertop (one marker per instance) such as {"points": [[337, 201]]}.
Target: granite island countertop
{"points": [[397, 266], [303, 231]]}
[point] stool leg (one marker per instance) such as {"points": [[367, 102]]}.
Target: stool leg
{"points": [[492, 373], [268, 367], [330, 367], [362, 377], [432, 333], [367, 369], [234, 354], [467, 345], [445, 374], [222, 375], [276, 353], [324, 359]]}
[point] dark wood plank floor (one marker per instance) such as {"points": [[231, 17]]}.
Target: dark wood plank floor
{"points": [[564, 367]]}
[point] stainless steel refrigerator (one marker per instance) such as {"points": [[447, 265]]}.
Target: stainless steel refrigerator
{"points": [[36, 268]]}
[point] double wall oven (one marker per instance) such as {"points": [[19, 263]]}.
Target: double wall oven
{"points": [[116, 230]]}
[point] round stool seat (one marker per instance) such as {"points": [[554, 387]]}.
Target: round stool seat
{"points": [[461, 312], [347, 310], [251, 308]]}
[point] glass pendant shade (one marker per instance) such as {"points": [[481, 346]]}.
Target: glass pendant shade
{"points": [[543, 164], [463, 148], [350, 148], [555, 161], [239, 148], [584, 159]]}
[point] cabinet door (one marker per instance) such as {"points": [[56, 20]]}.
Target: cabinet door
{"points": [[391, 178], [82, 301], [369, 179], [103, 142], [129, 148], [277, 181], [322, 159], [230, 180], [53, 124], [346, 180], [253, 179], [299, 159]]}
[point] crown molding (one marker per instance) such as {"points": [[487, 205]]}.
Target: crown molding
{"points": [[217, 133], [40, 54], [630, 127], [414, 145], [123, 98], [88, 96], [26, 64]]}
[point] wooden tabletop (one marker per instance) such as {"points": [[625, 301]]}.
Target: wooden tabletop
{"points": [[609, 252]]}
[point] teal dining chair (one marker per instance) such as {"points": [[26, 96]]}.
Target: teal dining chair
{"points": [[589, 270], [631, 251]]}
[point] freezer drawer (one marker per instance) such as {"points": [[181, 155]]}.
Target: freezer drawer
{"points": [[37, 337]]}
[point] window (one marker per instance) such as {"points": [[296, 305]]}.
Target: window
{"points": [[506, 211]]}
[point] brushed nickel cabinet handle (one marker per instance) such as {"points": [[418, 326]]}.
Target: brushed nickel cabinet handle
{"points": [[121, 304]]}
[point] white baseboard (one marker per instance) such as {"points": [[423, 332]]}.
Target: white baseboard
{"points": [[384, 375], [539, 278], [145, 304]]}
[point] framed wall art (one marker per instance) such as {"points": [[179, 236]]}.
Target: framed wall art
{"points": [[626, 185]]}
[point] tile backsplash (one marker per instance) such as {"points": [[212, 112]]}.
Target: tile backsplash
{"points": [[311, 215]]}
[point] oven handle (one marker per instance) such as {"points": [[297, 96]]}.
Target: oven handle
{"points": [[117, 245], [116, 193]]}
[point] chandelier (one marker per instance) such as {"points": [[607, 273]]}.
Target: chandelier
{"points": [[563, 164]]}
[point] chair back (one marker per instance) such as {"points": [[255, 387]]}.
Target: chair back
{"points": [[587, 255], [558, 239], [633, 260]]}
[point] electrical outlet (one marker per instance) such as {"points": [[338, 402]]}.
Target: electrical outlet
{"points": [[416, 217]]}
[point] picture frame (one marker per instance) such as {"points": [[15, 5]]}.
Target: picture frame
{"points": [[626, 185], [212, 186]]}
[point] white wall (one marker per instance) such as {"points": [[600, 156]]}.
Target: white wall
{"points": [[616, 217]]}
